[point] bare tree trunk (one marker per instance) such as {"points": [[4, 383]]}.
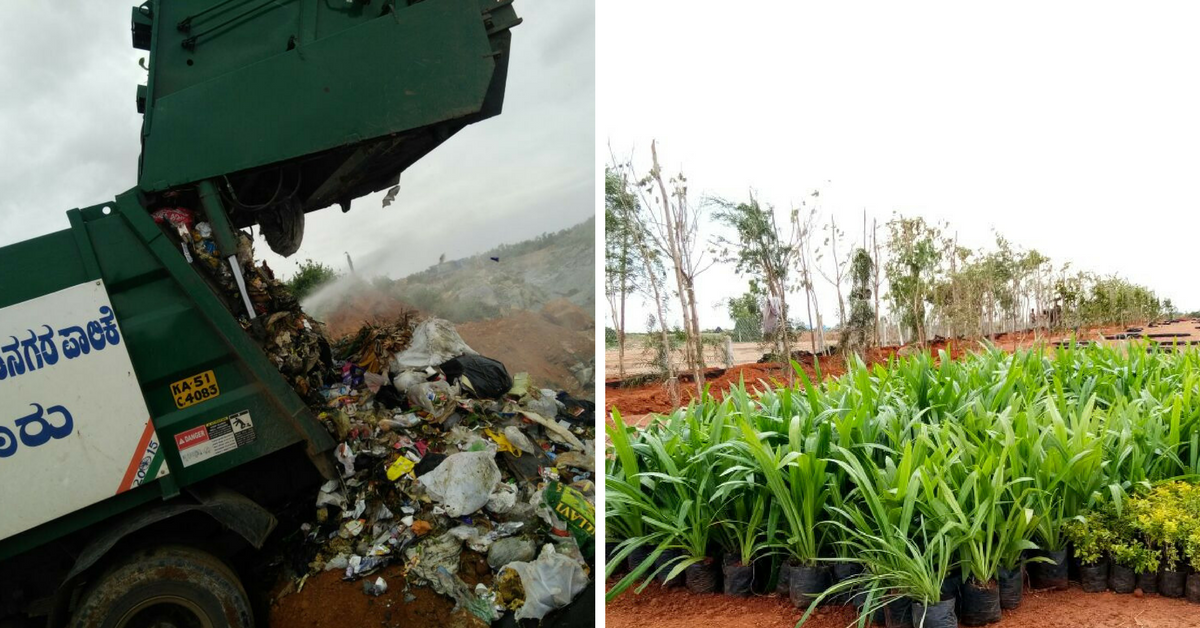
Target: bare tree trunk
{"points": [[875, 275], [673, 249]]}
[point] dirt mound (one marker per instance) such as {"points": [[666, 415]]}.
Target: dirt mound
{"points": [[362, 307], [653, 397], [566, 314], [554, 356]]}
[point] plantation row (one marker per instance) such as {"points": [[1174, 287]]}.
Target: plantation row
{"points": [[927, 490]]}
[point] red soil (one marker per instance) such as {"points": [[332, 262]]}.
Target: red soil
{"points": [[653, 398], [657, 607]]}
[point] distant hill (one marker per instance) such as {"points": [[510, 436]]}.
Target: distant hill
{"points": [[528, 275]]}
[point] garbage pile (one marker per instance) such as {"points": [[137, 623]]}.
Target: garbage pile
{"points": [[440, 450]]}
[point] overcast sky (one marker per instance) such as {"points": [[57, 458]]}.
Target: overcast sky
{"points": [[70, 129], [1072, 128]]}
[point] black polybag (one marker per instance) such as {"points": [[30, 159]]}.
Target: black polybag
{"points": [[1011, 583], [488, 378], [980, 604]]}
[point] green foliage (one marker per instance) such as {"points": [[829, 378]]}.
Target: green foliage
{"points": [[309, 277], [858, 331], [746, 312], [924, 466], [913, 259]]}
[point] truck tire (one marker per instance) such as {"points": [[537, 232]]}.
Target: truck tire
{"points": [[170, 585]]}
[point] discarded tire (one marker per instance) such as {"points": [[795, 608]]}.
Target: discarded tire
{"points": [[739, 578], [1148, 582], [1094, 576], [980, 603], [807, 584], [940, 615], [702, 577], [898, 613], [1172, 583], [1012, 581], [1051, 575], [1121, 579], [664, 564], [1192, 590]]}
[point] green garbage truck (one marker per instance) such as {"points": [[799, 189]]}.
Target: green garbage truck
{"points": [[146, 440]]}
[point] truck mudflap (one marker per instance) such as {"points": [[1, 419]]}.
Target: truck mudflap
{"points": [[235, 511]]}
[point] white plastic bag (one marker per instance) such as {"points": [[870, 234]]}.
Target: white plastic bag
{"points": [[433, 342], [463, 482], [550, 582]]}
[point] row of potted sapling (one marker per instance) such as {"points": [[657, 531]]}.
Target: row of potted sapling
{"points": [[920, 490]]}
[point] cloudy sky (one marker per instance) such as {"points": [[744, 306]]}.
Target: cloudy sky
{"points": [[1072, 128], [70, 137]]}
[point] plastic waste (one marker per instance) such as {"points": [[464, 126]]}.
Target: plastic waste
{"points": [[555, 431], [543, 402], [345, 457], [407, 379], [449, 584], [512, 549], [434, 341], [463, 482], [483, 378], [331, 495], [520, 440], [377, 588], [435, 398], [399, 468], [550, 582]]}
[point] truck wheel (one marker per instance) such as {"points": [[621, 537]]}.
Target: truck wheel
{"points": [[171, 586]]}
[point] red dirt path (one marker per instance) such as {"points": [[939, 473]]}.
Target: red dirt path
{"points": [[676, 608], [652, 398]]}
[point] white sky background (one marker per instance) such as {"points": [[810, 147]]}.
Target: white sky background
{"points": [[70, 133], [1072, 128]]}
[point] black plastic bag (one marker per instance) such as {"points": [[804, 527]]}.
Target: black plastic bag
{"points": [[485, 378], [428, 463], [576, 410], [940, 615], [389, 397], [783, 584], [610, 550], [1192, 592], [898, 613], [739, 578], [701, 577], [980, 603], [1148, 582], [1172, 583], [637, 557], [1011, 583], [1094, 576], [662, 571], [842, 570], [808, 583], [1052, 575], [951, 585], [1121, 579]]}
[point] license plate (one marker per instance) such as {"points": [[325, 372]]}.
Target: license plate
{"points": [[193, 390]]}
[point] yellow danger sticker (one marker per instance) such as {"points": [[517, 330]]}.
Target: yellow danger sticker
{"points": [[193, 390]]}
